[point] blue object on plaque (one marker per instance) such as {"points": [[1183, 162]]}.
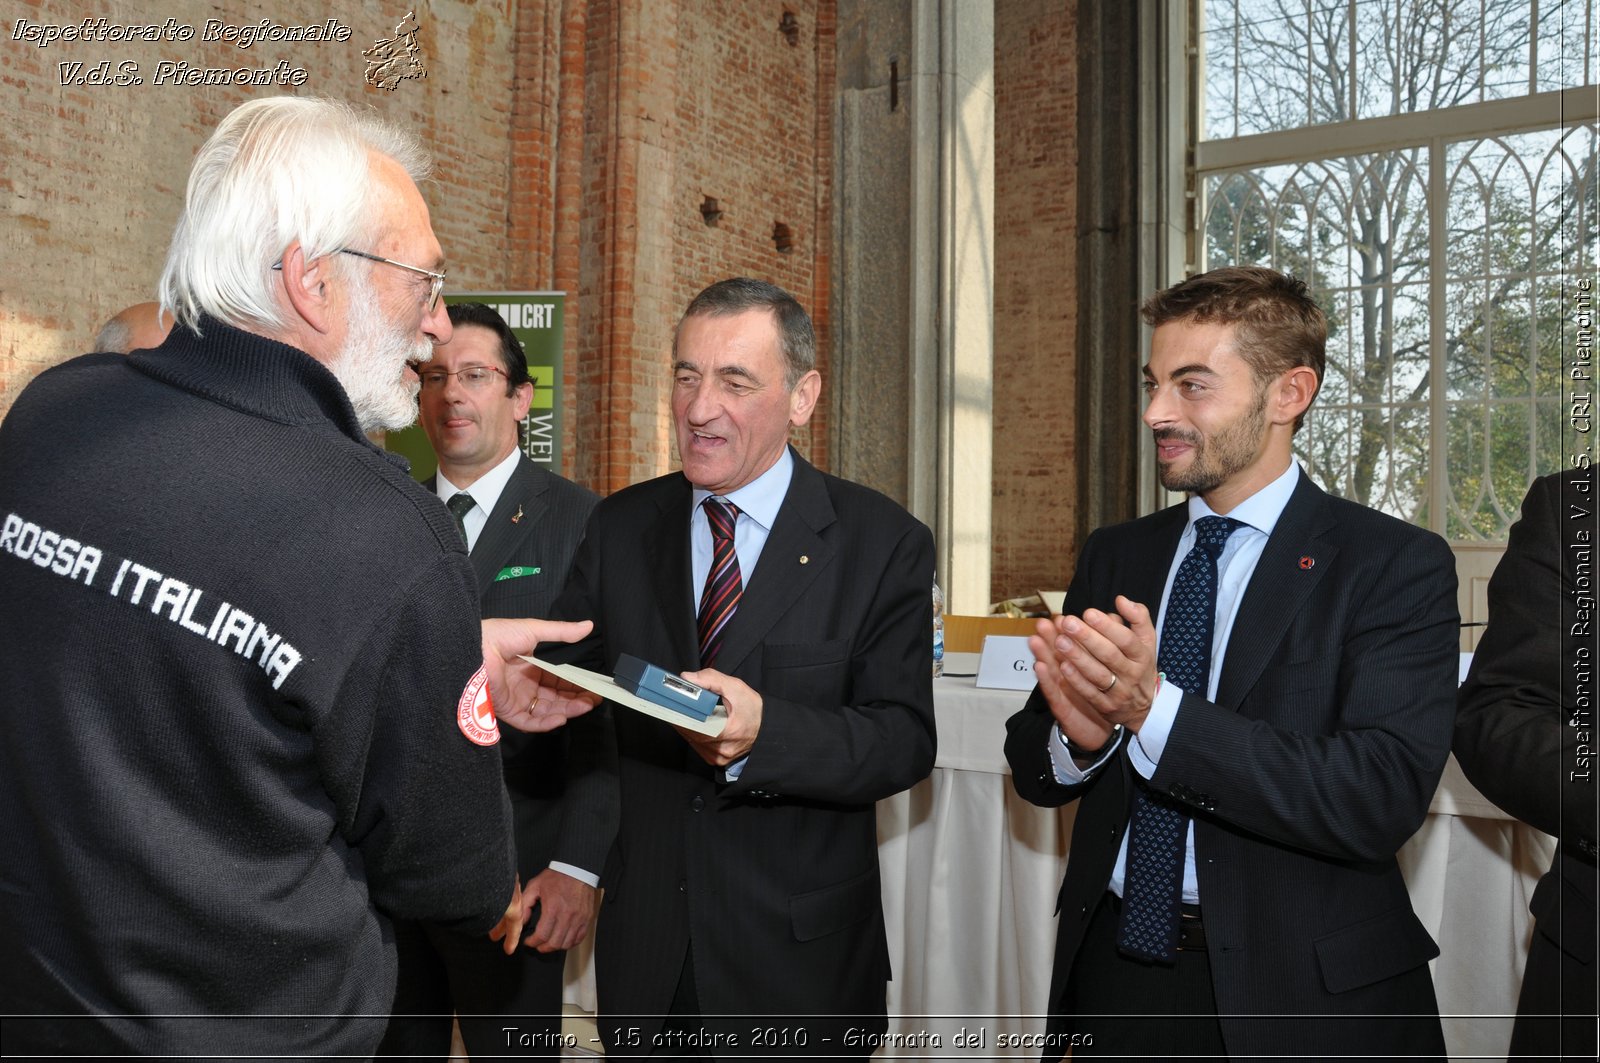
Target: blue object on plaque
{"points": [[661, 687]]}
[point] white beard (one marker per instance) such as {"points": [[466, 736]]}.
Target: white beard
{"points": [[371, 364]]}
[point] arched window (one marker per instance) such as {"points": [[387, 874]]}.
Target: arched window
{"points": [[1429, 167]]}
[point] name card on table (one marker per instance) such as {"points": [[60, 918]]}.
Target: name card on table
{"points": [[1006, 664]]}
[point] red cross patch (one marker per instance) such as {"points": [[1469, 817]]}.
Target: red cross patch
{"points": [[475, 712]]}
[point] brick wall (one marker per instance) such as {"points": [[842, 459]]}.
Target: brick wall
{"points": [[94, 176], [1036, 158], [761, 93], [690, 99], [575, 141]]}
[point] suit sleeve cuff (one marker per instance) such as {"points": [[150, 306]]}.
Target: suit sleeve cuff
{"points": [[732, 772], [1066, 768], [1144, 752], [585, 877]]}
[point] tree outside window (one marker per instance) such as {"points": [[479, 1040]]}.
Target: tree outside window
{"points": [[1427, 167]]}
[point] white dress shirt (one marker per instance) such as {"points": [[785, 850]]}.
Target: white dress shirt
{"points": [[758, 502], [1258, 515], [485, 491]]}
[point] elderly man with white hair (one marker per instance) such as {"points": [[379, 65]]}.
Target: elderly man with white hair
{"points": [[247, 707]]}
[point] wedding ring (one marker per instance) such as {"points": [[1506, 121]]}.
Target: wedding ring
{"points": [[1107, 688]]}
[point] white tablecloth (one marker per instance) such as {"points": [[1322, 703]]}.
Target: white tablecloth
{"points": [[971, 873]]}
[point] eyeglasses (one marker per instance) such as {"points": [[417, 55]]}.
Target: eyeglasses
{"points": [[437, 279], [473, 377]]}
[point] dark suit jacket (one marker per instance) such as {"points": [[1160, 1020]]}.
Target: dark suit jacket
{"points": [[1512, 733], [774, 877], [1315, 764], [521, 560]]}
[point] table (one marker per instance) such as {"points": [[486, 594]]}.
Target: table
{"points": [[971, 873], [970, 876]]}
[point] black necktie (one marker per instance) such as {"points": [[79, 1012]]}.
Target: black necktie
{"points": [[1152, 887], [723, 584], [459, 505]]}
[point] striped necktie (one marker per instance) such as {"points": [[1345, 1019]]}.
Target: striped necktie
{"points": [[723, 584]]}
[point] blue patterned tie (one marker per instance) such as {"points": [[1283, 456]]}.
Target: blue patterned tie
{"points": [[1152, 886], [723, 587]]}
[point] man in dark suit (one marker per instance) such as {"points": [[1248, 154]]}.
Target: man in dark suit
{"points": [[744, 881], [522, 524], [1525, 737], [1272, 749]]}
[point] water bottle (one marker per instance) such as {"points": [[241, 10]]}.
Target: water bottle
{"points": [[938, 630]]}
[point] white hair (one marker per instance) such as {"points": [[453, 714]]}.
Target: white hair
{"points": [[371, 364], [275, 171]]}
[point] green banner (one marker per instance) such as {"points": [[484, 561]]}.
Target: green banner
{"points": [[537, 318]]}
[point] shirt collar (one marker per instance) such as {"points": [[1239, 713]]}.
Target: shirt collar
{"points": [[1261, 510], [486, 489], [761, 498]]}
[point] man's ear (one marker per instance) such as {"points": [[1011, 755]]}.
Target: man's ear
{"points": [[803, 399], [1296, 388], [521, 399], [305, 285]]}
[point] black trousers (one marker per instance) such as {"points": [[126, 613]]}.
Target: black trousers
{"points": [[1115, 1005], [1556, 1009], [688, 1035], [443, 972]]}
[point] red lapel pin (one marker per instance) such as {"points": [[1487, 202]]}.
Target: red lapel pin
{"points": [[1307, 561]]}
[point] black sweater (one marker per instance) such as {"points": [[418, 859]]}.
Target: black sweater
{"points": [[233, 637]]}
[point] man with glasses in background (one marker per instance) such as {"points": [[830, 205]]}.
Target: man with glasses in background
{"points": [[521, 524], [248, 709]]}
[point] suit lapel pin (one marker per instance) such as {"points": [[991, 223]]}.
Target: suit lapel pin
{"points": [[804, 560], [516, 518], [1307, 561]]}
